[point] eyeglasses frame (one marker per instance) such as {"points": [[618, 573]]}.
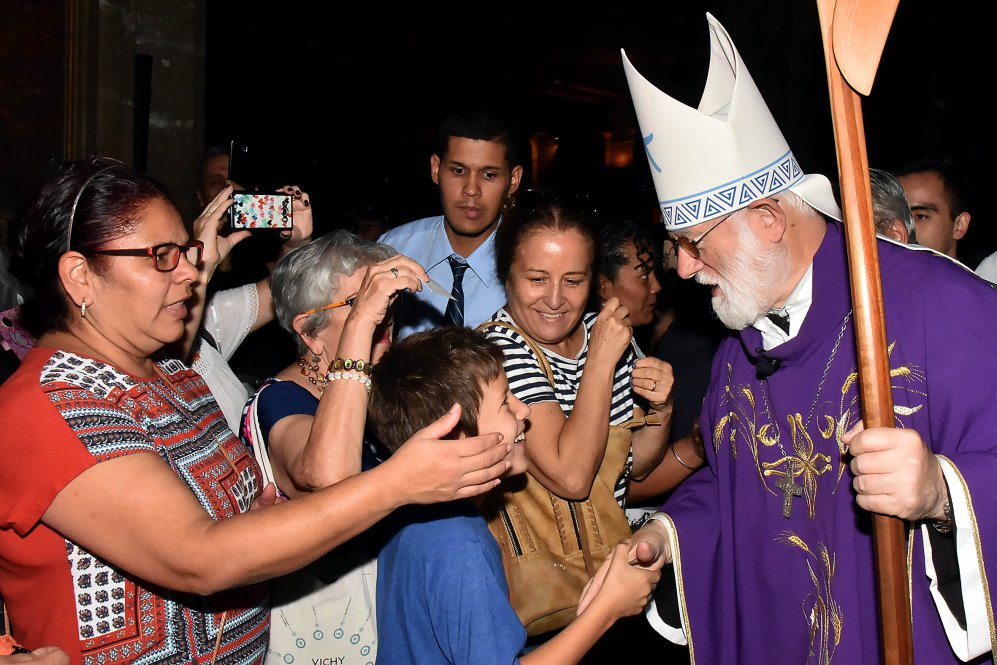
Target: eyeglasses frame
{"points": [[691, 247], [150, 252], [342, 303]]}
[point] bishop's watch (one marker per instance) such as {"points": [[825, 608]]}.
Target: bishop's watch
{"points": [[944, 525]]}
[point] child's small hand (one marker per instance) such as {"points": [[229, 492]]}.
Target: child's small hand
{"points": [[592, 587], [625, 589]]}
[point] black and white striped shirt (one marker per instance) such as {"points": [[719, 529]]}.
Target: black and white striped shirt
{"points": [[528, 382]]}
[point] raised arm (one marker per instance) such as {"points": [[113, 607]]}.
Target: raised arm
{"points": [[216, 248], [135, 513], [564, 453], [316, 452]]}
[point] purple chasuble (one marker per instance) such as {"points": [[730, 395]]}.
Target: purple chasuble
{"points": [[758, 587]]}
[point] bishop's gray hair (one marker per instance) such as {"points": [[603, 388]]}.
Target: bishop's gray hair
{"points": [[889, 202]]}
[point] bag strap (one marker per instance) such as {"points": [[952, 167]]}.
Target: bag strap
{"points": [[583, 532], [541, 356]]}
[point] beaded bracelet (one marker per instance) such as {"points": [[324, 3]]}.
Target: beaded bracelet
{"points": [[340, 364], [349, 376]]}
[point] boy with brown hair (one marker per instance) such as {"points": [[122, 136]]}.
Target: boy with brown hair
{"points": [[442, 596]]}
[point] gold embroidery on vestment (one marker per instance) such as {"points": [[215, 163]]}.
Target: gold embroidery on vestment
{"points": [[825, 618], [816, 446]]}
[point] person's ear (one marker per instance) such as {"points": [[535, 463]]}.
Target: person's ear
{"points": [[961, 225], [77, 278], [772, 218], [605, 288], [897, 231], [314, 345], [517, 176], [434, 168]]}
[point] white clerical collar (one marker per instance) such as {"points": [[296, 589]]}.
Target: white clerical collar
{"points": [[797, 306]]}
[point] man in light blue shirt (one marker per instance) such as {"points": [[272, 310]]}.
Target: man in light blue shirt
{"points": [[477, 169]]}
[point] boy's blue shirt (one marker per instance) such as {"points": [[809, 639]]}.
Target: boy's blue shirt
{"points": [[442, 597]]}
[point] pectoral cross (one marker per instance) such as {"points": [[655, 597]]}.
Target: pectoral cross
{"points": [[789, 490]]}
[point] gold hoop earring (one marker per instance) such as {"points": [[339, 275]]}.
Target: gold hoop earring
{"points": [[83, 309]]}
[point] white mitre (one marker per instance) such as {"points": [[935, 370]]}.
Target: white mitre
{"points": [[716, 159]]}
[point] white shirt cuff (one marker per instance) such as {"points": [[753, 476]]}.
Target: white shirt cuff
{"points": [[975, 639]]}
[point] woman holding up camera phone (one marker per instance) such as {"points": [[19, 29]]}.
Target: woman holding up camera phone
{"points": [[232, 314]]}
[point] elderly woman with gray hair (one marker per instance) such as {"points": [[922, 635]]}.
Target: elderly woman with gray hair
{"points": [[333, 295]]}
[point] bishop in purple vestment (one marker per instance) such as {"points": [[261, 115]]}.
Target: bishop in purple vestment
{"points": [[771, 542]]}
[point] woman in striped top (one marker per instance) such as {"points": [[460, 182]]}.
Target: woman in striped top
{"points": [[546, 256]]}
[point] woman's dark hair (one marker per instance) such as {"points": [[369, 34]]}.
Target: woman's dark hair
{"points": [[88, 204], [614, 236], [546, 212]]}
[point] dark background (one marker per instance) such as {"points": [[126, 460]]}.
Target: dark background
{"points": [[556, 68]]}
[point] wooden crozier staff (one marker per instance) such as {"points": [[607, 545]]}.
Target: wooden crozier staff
{"points": [[854, 33]]}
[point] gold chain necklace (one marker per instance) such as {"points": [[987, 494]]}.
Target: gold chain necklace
{"points": [[311, 372]]}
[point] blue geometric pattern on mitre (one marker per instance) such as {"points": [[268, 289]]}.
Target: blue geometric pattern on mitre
{"points": [[723, 199]]}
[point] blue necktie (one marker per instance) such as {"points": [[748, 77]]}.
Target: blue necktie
{"points": [[454, 316]]}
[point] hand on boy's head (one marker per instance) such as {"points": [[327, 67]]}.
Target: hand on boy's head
{"points": [[431, 469]]}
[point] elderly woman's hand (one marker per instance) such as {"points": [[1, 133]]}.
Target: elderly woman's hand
{"points": [[611, 333], [653, 380], [206, 228], [301, 209], [381, 285]]}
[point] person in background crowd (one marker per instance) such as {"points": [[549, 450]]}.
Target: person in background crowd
{"points": [[934, 189], [477, 168]]}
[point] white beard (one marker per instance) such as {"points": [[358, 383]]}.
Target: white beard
{"points": [[746, 280]]}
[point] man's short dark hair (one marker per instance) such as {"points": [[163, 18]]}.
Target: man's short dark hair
{"points": [[422, 376], [479, 125], [951, 175]]}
